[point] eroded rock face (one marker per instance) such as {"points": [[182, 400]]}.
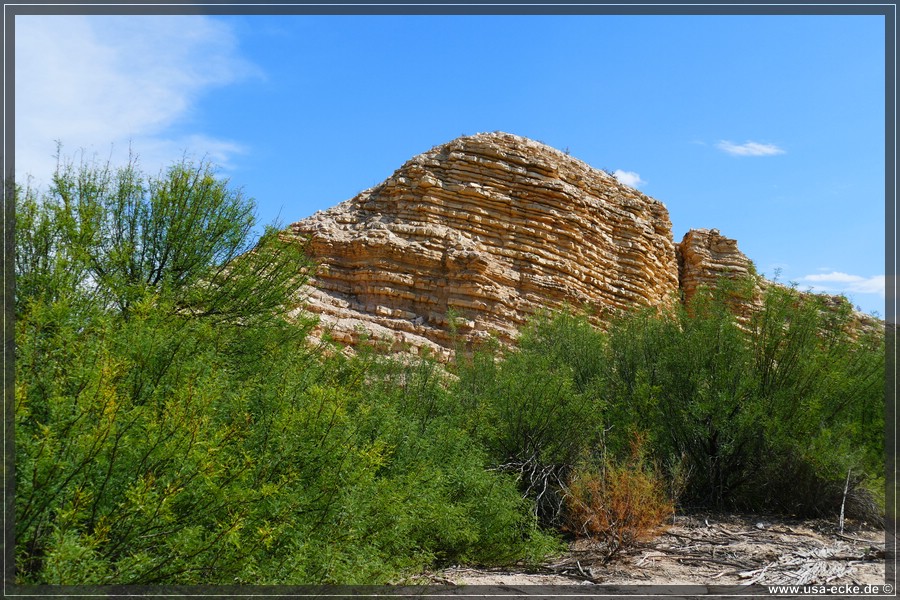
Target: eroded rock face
{"points": [[491, 228], [487, 230], [705, 256]]}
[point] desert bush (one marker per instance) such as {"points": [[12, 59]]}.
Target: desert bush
{"points": [[172, 427], [570, 342], [163, 454], [616, 503], [162, 465], [681, 377], [794, 394], [186, 235], [535, 413], [440, 494], [798, 485]]}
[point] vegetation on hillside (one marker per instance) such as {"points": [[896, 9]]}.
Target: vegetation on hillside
{"points": [[172, 425]]}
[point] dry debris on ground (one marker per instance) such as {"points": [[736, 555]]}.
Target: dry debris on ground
{"points": [[711, 550]]}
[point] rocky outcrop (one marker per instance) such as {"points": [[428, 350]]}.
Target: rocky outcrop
{"points": [[705, 257], [486, 229], [470, 239]]}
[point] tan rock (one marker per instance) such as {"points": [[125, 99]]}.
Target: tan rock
{"points": [[491, 228], [473, 237], [705, 256]]}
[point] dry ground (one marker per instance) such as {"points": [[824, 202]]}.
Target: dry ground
{"points": [[711, 550]]}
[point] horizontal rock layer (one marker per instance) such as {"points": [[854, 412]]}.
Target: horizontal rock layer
{"points": [[470, 239], [705, 257], [490, 229]]}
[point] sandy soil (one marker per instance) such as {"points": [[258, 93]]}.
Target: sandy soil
{"points": [[709, 550]]}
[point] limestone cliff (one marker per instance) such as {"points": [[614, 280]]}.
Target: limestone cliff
{"points": [[705, 256], [491, 228]]}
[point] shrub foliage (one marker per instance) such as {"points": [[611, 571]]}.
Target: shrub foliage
{"points": [[795, 394], [617, 504], [173, 426]]}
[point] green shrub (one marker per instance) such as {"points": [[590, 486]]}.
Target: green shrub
{"points": [[792, 394], [536, 413], [172, 427], [433, 497]]}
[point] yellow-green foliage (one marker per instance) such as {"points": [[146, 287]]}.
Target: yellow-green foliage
{"points": [[759, 413], [177, 430], [172, 427]]}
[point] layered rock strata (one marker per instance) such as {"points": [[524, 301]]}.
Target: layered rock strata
{"points": [[470, 239], [488, 230], [705, 257]]}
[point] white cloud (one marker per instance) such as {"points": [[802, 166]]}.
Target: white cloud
{"points": [[834, 276], [629, 178], [102, 83], [838, 282], [749, 149]]}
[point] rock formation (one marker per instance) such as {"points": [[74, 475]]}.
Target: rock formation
{"points": [[476, 235], [705, 256], [490, 228]]}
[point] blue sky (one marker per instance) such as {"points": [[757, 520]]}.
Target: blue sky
{"points": [[768, 128]]}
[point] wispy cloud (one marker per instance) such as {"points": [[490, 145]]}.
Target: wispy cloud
{"points": [[629, 178], [846, 283], [103, 82], [749, 148]]}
